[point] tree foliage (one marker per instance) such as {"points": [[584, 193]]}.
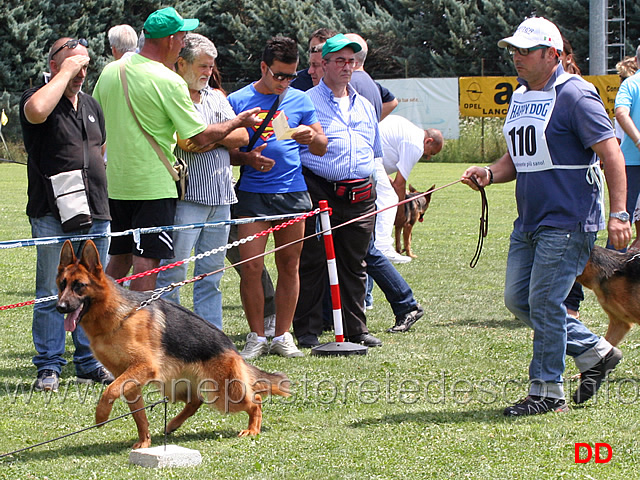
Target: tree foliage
{"points": [[407, 38]]}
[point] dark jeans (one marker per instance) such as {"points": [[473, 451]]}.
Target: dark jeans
{"points": [[575, 297], [395, 288]]}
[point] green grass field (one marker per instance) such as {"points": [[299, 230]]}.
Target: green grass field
{"points": [[428, 404]]}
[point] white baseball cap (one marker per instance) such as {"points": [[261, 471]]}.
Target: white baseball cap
{"points": [[533, 32]]}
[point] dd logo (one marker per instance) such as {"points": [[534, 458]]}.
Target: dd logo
{"points": [[589, 452]]}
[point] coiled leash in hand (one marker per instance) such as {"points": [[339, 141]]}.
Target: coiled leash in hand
{"points": [[484, 223]]}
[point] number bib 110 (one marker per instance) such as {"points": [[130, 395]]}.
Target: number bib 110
{"points": [[525, 126]]}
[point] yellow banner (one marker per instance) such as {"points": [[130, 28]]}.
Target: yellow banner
{"points": [[490, 96], [607, 86], [3, 118]]}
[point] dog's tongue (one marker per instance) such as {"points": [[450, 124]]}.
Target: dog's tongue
{"points": [[421, 219], [71, 320]]}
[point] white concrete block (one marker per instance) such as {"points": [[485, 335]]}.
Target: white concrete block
{"points": [[171, 456]]}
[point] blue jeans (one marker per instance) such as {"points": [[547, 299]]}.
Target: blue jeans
{"points": [[207, 297], [541, 269], [395, 288], [48, 325]]}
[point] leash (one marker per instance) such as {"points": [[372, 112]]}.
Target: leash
{"points": [[484, 223], [484, 215], [165, 400]]}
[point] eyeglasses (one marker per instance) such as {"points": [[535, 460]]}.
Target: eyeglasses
{"points": [[71, 44], [524, 51], [283, 77], [341, 62]]}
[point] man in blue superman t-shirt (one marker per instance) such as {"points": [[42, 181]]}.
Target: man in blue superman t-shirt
{"points": [[271, 183]]}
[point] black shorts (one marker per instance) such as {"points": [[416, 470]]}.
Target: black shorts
{"points": [[266, 204], [128, 214]]}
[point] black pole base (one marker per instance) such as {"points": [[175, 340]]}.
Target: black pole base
{"points": [[339, 348]]}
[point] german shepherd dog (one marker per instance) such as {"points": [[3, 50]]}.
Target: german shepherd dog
{"points": [[162, 344], [406, 217], [615, 279]]}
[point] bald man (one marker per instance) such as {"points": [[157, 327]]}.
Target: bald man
{"points": [[55, 117]]}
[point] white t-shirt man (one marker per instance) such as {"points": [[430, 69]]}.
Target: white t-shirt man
{"points": [[403, 146]]}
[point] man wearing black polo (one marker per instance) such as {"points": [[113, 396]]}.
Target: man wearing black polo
{"points": [[55, 118]]}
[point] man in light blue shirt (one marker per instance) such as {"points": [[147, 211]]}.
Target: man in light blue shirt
{"points": [[343, 177], [627, 110]]}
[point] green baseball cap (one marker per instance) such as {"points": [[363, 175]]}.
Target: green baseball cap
{"points": [[338, 42], [167, 21]]}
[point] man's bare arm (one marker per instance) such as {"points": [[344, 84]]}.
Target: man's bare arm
{"points": [[216, 132]]}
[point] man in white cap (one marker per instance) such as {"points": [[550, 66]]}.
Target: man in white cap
{"points": [[556, 128], [142, 192]]}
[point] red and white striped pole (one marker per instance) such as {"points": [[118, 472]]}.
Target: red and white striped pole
{"points": [[333, 270]]}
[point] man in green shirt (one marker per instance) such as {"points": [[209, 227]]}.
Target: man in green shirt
{"points": [[142, 192]]}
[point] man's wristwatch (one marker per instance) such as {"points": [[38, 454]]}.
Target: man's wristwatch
{"points": [[623, 216]]}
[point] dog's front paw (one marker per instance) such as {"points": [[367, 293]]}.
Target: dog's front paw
{"points": [[144, 443]]}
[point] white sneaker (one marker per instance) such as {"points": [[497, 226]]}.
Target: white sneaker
{"points": [[270, 325], [286, 347], [395, 257], [254, 348]]}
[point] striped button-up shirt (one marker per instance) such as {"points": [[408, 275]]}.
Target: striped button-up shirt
{"points": [[210, 175], [354, 140]]}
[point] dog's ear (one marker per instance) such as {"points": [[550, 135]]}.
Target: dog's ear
{"points": [[411, 189], [431, 190], [67, 255], [90, 257]]}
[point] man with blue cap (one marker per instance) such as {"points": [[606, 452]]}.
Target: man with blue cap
{"points": [[557, 131], [142, 192]]}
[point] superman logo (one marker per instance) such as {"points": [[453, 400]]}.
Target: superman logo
{"points": [[268, 131]]}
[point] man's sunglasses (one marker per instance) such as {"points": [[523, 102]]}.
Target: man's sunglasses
{"points": [[71, 44], [281, 77], [524, 51]]}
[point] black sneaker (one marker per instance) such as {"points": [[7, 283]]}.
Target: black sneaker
{"points": [[591, 379], [99, 375], [406, 321], [535, 405], [47, 381]]}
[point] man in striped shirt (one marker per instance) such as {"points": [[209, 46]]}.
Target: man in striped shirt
{"points": [[210, 191], [343, 178]]}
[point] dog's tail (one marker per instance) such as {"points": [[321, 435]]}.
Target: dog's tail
{"points": [[272, 383]]}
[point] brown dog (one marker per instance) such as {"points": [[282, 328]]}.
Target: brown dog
{"points": [[162, 344], [615, 279], [406, 217]]}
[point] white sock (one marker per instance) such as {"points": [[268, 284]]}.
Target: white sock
{"points": [[278, 339], [261, 339]]}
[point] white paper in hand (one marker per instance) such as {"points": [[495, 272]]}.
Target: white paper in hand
{"points": [[281, 127]]}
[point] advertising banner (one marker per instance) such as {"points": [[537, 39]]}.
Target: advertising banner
{"points": [[490, 96], [428, 102]]}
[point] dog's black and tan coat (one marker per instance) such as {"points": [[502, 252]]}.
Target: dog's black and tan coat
{"points": [[615, 279], [162, 344], [406, 217]]}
